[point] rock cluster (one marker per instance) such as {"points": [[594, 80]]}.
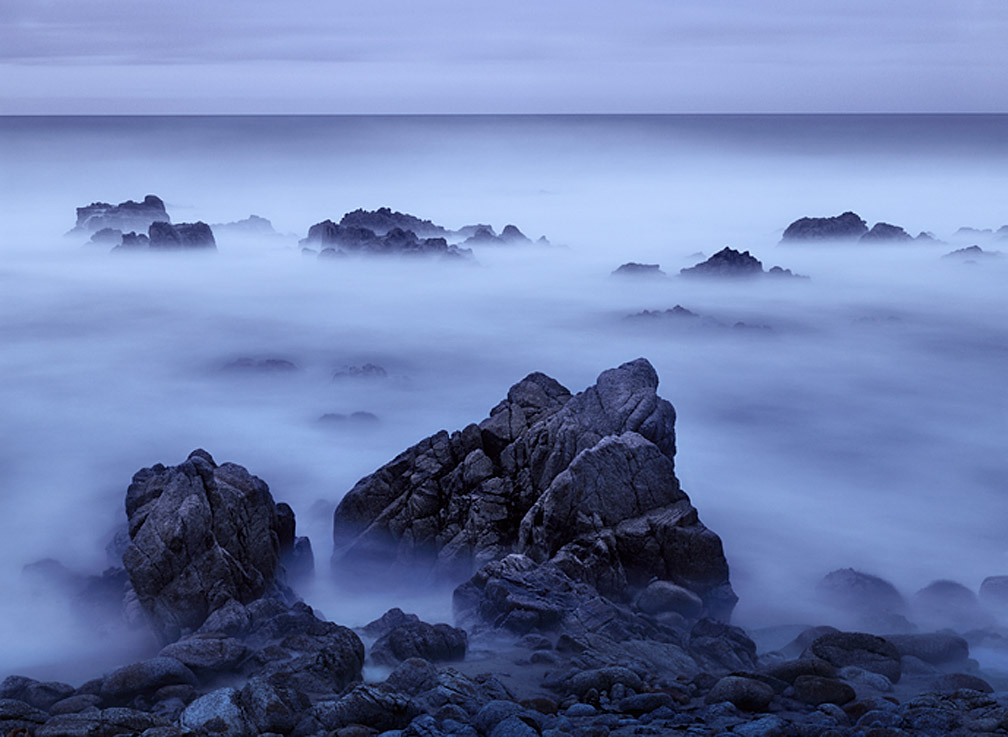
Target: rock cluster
{"points": [[848, 226], [384, 232], [597, 594]]}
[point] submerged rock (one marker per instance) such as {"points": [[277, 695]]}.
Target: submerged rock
{"points": [[384, 219], [846, 226], [124, 217]]}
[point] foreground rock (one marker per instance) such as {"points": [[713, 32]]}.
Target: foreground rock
{"points": [[585, 481], [201, 536], [124, 217]]}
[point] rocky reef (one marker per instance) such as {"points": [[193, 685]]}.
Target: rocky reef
{"points": [[848, 226], [591, 601], [388, 232], [634, 269]]}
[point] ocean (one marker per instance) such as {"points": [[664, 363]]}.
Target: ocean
{"points": [[856, 418]]}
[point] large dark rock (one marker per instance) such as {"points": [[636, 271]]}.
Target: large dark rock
{"points": [[859, 649], [727, 262], [587, 482], [183, 236], [432, 642], [201, 535], [847, 226], [126, 216]]}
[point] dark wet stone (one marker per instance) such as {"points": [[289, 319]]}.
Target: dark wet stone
{"points": [[432, 642], [859, 649], [124, 684], [746, 694], [817, 690]]}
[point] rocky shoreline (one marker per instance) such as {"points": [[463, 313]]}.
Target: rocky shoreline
{"points": [[591, 600]]}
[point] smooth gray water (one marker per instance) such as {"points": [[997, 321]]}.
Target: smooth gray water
{"points": [[866, 428]]}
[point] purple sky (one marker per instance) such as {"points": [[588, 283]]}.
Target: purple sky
{"points": [[326, 56]]}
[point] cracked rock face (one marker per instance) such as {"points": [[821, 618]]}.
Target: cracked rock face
{"points": [[586, 482], [200, 536]]}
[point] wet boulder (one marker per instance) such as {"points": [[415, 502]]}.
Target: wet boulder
{"points": [[746, 694], [863, 600], [859, 649], [431, 642], [201, 535]]}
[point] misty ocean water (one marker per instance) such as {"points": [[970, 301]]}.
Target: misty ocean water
{"points": [[864, 426]]}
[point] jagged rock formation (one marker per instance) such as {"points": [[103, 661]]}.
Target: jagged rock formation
{"points": [[201, 535], [727, 262], [253, 225], [163, 236], [384, 220], [632, 268], [731, 263], [847, 226], [124, 217], [884, 232], [586, 482]]}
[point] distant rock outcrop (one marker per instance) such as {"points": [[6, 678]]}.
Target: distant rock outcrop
{"points": [[335, 238], [251, 227], [126, 216], [884, 232], [383, 220], [734, 264], [971, 253], [170, 237], [846, 226], [584, 482], [632, 268]]}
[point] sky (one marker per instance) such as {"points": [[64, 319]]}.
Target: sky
{"points": [[491, 56]]}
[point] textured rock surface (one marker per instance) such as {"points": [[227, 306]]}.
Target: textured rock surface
{"points": [[126, 216], [200, 536], [587, 482], [884, 232], [848, 226], [165, 236], [726, 262]]}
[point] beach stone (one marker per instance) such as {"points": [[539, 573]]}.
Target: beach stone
{"points": [[219, 712], [746, 694], [206, 654], [859, 649], [432, 642], [145, 677], [952, 682]]}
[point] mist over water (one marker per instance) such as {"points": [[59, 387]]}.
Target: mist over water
{"points": [[865, 428]]}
